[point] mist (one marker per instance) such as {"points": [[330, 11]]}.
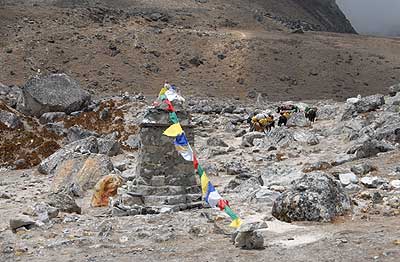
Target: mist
{"points": [[373, 17]]}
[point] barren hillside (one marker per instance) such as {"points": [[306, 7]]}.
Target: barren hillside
{"points": [[217, 48]]}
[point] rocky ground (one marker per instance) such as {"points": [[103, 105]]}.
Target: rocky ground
{"points": [[352, 150]]}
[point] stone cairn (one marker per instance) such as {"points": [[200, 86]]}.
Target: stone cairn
{"points": [[164, 181]]}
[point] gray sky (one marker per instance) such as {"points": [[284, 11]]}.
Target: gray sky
{"points": [[380, 17]]}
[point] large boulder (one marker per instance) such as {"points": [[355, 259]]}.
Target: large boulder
{"points": [[362, 105], [314, 197], [53, 93], [79, 150], [77, 175], [73, 150]]}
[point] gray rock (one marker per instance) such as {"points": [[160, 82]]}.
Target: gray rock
{"points": [[133, 142], [248, 188], [248, 139], [370, 148], [76, 133], [362, 105], [64, 203], [10, 95], [348, 178], [361, 169], [298, 119], [10, 120], [72, 150], [235, 168], [352, 188], [327, 112], [394, 89], [51, 117], [108, 147], [121, 164], [279, 136], [53, 93], [45, 212], [314, 197], [388, 127], [372, 182], [104, 114], [215, 141], [129, 174], [249, 239], [265, 195], [240, 132], [312, 140], [56, 128], [21, 221]]}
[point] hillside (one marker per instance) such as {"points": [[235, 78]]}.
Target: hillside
{"points": [[209, 48]]}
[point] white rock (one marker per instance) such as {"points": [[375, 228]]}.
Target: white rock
{"points": [[372, 182], [348, 178], [395, 183]]}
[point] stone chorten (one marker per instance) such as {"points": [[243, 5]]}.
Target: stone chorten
{"points": [[163, 177]]}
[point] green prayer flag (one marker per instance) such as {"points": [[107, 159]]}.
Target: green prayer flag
{"points": [[173, 117], [230, 212], [200, 170]]}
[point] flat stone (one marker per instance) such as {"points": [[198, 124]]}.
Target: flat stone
{"points": [[21, 221]]}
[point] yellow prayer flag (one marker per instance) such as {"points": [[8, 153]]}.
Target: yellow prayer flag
{"points": [[204, 183], [162, 91], [173, 130], [236, 223]]}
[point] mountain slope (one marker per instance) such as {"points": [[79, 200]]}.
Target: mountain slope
{"points": [[218, 48]]}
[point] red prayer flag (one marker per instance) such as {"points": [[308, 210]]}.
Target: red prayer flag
{"points": [[195, 162], [170, 107], [222, 203]]}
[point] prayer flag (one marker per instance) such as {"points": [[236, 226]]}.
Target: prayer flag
{"points": [[173, 130], [173, 95], [212, 196], [162, 91], [173, 117], [236, 223], [204, 183], [185, 151]]}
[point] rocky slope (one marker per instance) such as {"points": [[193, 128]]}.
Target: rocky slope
{"points": [[212, 48]]}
